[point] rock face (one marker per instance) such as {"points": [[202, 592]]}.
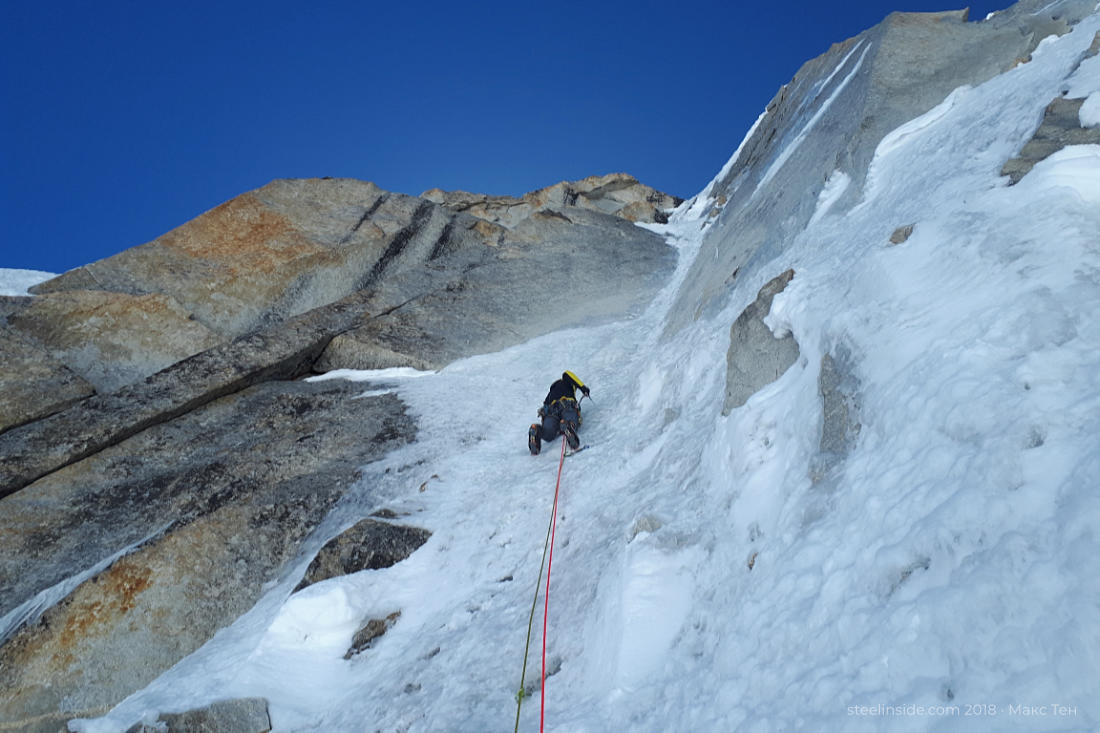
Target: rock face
{"points": [[161, 464], [260, 258], [516, 275], [297, 245], [36, 384], [204, 509], [538, 277], [756, 356], [839, 388], [113, 339], [248, 715], [284, 352], [369, 545]]}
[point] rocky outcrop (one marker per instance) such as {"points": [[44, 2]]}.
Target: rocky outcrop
{"points": [[839, 387], [1061, 126], [365, 637], [757, 357], [285, 352], [545, 274], [901, 234], [617, 194], [369, 545], [203, 511], [247, 715]]}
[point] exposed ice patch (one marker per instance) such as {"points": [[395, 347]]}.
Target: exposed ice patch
{"points": [[370, 375]]}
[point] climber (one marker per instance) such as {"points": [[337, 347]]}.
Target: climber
{"points": [[560, 414]]}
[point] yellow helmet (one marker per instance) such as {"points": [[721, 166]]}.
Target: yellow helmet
{"points": [[569, 376]]}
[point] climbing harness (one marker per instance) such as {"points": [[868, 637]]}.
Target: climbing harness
{"points": [[547, 560]]}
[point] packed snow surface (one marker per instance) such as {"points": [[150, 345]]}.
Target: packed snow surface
{"points": [[1090, 111], [941, 575], [17, 282], [835, 186]]}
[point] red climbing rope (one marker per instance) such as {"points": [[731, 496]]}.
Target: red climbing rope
{"points": [[546, 596]]}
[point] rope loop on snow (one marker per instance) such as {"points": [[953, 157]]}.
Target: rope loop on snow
{"points": [[551, 530]]}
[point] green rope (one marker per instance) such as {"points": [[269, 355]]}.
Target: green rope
{"points": [[530, 621]]}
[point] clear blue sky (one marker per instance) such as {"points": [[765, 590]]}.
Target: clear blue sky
{"points": [[123, 120]]}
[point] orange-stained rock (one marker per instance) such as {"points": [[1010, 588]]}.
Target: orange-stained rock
{"points": [[206, 510], [259, 258], [33, 383], [112, 339]]}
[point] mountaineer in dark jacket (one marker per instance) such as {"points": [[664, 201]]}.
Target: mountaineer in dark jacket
{"points": [[560, 413]]}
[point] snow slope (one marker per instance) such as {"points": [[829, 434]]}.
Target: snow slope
{"points": [[16, 282], [941, 576]]}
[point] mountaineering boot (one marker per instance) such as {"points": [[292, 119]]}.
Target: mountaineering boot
{"points": [[534, 440], [570, 433]]}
